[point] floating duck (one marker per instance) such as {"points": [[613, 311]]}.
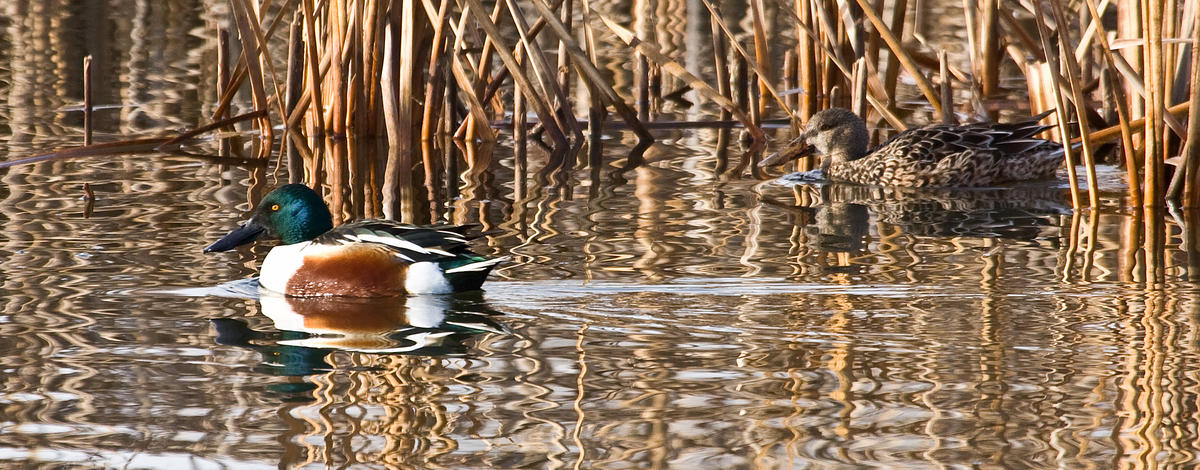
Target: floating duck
{"points": [[930, 156], [366, 258]]}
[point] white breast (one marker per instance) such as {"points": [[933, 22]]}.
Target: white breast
{"points": [[281, 263]]}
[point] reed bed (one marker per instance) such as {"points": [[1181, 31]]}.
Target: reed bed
{"points": [[536, 71]]}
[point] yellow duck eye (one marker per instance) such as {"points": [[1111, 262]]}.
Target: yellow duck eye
{"points": [[274, 207]]}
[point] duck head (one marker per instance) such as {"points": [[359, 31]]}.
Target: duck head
{"points": [[837, 133], [293, 212]]}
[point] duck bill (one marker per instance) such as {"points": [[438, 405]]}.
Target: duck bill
{"points": [[795, 150], [247, 233]]}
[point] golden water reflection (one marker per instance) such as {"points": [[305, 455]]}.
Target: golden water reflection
{"points": [[660, 311], [662, 318]]}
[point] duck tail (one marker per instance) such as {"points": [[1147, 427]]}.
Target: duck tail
{"points": [[470, 276]]}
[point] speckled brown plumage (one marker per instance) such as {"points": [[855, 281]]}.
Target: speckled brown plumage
{"points": [[930, 156]]}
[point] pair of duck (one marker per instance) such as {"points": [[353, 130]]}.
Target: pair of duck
{"points": [[375, 258]]}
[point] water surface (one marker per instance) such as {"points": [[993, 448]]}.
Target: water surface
{"points": [[669, 316]]}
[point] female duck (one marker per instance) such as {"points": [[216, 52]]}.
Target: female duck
{"points": [[930, 156], [367, 258]]}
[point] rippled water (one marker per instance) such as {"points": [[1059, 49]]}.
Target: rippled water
{"points": [[668, 316]]}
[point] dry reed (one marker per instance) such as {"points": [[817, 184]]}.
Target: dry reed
{"points": [[413, 72]]}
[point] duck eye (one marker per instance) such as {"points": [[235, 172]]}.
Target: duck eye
{"points": [[274, 207]]}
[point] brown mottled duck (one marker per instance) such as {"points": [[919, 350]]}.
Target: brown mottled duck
{"points": [[929, 156]]}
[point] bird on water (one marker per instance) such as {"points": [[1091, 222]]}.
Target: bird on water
{"points": [[942, 155]]}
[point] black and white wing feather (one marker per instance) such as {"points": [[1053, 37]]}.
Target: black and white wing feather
{"points": [[412, 243]]}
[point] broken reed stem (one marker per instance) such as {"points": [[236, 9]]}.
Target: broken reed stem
{"points": [[790, 79], [87, 100], [947, 90]]}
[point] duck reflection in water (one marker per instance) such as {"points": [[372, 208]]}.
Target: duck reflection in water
{"points": [[841, 213], [310, 328]]}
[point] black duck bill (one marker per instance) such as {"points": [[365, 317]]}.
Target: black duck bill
{"points": [[247, 233]]}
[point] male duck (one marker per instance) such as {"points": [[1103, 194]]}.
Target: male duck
{"points": [[366, 258], [930, 156]]}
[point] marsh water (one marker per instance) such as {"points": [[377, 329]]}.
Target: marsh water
{"points": [[676, 314]]}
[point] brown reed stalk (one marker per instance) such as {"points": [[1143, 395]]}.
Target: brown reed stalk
{"points": [[653, 53], [762, 55], [352, 66], [1122, 107], [484, 66], [741, 83], [1154, 82], [335, 84], [1192, 155], [989, 48], [1053, 67], [584, 62], [1073, 77], [872, 43], [892, 119], [1187, 173], [462, 76], [641, 85], [567, 16], [806, 52], [501, 76], [436, 83], [476, 111], [828, 35], [545, 75], [406, 86], [971, 21], [247, 22], [830, 52], [370, 54], [905, 59], [755, 63], [720, 56], [313, 79], [859, 92], [892, 68], [1112, 133], [392, 116], [226, 93], [540, 107]]}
